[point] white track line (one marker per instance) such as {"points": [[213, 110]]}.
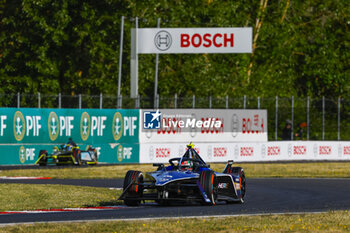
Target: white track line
{"points": [[165, 218], [23, 178]]}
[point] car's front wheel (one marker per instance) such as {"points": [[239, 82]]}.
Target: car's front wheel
{"points": [[210, 185], [132, 182]]}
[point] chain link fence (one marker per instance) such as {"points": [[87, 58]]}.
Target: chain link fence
{"points": [[322, 119]]}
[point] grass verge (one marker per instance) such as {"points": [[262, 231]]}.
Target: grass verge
{"points": [[338, 221], [32, 197], [259, 170]]}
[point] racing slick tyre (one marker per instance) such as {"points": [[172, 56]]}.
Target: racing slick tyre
{"points": [[43, 160], [210, 185], [238, 171], [131, 182]]}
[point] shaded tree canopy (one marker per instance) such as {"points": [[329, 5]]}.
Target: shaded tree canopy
{"points": [[72, 46]]}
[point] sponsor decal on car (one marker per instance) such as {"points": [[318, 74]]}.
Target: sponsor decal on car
{"points": [[223, 185]]}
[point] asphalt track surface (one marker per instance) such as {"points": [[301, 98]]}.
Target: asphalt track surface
{"points": [[270, 195]]}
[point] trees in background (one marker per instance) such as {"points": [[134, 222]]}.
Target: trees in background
{"points": [[300, 48]]}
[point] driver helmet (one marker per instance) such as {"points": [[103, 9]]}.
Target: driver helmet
{"points": [[187, 165]]}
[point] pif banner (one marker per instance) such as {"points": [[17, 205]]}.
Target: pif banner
{"points": [[34, 125], [114, 132]]}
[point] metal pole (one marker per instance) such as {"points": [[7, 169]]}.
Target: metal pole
{"points": [[276, 118], [120, 101], [339, 118], [120, 54], [323, 110], [156, 69], [193, 101], [79, 101], [101, 100], [157, 101], [39, 100], [258, 102], [226, 101], [59, 100], [292, 131], [137, 103], [134, 78], [175, 100], [210, 102], [244, 102], [18, 100], [308, 118]]}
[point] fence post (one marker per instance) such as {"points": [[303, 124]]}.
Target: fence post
{"points": [[226, 101], [276, 117], [210, 102], [308, 118], [244, 102], [175, 100], [59, 100], [292, 132], [339, 118], [18, 100], [101, 100], [323, 109], [39, 100], [258, 102], [79, 101], [193, 101]]}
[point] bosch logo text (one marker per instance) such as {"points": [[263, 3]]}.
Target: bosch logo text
{"points": [[207, 40]]}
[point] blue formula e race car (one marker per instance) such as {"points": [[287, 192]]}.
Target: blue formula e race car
{"points": [[186, 179]]}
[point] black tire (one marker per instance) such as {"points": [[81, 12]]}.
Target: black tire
{"points": [[238, 171], [135, 190], [43, 160], [210, 185]]}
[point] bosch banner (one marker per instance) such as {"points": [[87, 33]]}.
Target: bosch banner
{"points": [[203, 125], [194, 40], [24, 132]]}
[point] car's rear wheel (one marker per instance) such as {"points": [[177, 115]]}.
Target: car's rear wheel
{"points": [[210, 185], [132, 182]]}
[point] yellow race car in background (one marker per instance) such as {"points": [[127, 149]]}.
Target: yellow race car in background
{"points": [[68, 154]]}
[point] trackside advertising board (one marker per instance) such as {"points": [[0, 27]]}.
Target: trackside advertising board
{"points": [[202, 125], [193, 40], [26, 131], [251, 151]]}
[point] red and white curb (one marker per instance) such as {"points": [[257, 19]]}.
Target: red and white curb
{"points": [[64, 210], [23, 178]]}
